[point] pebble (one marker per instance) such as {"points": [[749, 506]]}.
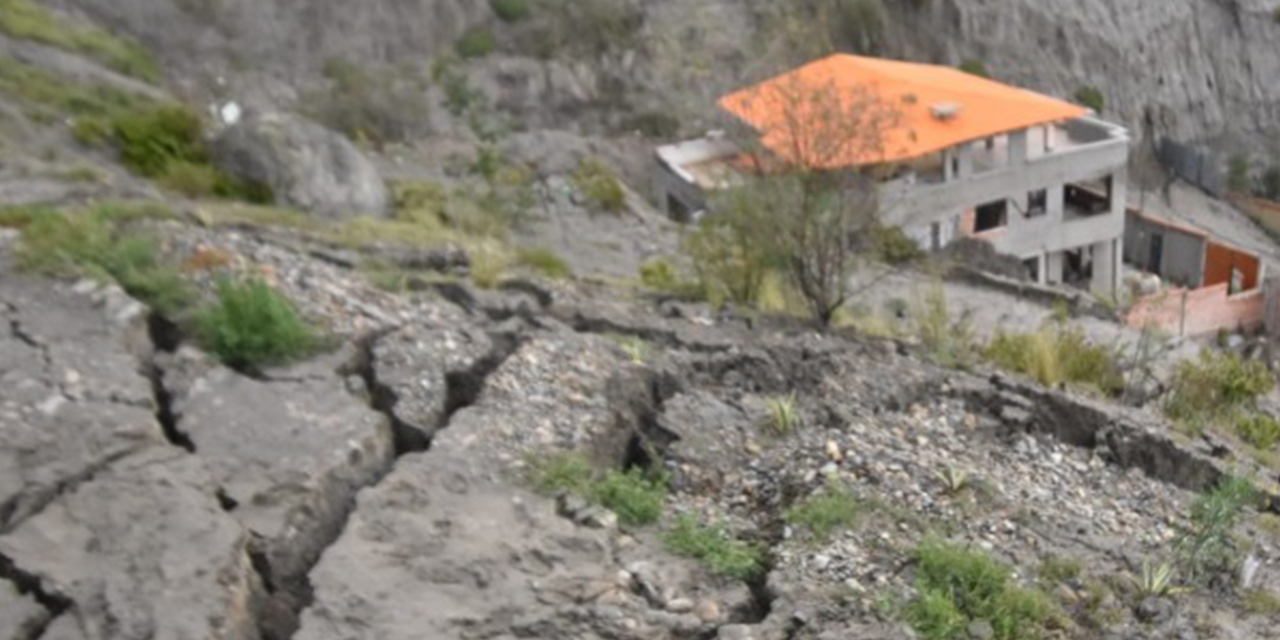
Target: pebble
{"points": [[680, 605], [707, 611]]}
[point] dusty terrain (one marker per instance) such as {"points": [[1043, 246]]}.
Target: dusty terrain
{"points": [[392, 484]]}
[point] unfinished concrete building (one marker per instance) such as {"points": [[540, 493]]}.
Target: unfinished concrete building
{"points": [[1039, 178]]}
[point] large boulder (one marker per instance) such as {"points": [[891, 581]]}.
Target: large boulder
{"points": [[305, 165]]}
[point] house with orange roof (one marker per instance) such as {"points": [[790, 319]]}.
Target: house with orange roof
{"points": [[962, 156]]}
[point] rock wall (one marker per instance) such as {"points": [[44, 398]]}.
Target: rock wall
{"points": [[1196, 70]]}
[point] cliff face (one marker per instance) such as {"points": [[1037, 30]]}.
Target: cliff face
{"points": [[1202, 70], [1196, 70]]}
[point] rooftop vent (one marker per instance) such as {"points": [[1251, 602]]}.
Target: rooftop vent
{"points": [[945, 110]]}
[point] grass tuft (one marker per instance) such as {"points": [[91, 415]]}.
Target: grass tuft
{"points": [[956, 586], [544, 261], [714, 545], [596, 182], [637, 499], [1058, 354], [26, 20], [825, 513], [251, 326]]}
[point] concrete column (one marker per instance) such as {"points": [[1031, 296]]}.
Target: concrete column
{"points": [[1106, 267], [1041, 267], [966, 162], [1057, 203], [1053, 267], [1018, 148]]}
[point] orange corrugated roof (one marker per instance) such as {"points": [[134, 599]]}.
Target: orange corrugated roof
{"points": [[986, 108]]}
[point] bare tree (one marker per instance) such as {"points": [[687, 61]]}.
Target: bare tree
{"points": [[817, 143]]}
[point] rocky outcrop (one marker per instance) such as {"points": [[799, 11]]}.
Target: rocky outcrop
{"points": [[142, 551], [21, 617], [305, 165], [73, 398], [288, 455]]}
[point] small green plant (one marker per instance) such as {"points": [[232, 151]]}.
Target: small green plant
{"points": [[956, 586], [561, 473], [597, 183], [477, 43], [784, 414], [635, 497], [636, 348], [1215, 390], [510, 10], [251, 325], [660, 275], [1238, 173], [954, 480], [1157, 580], [833, 509], [1060, 569], [544, 261], [1261, 602], [1091, 97], [1207, 547], [975, 67], [26, 20], [948, 342], [1261, 431], [714, 545]]}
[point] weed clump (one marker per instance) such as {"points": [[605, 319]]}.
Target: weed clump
{"points": [[1208, 548], [1215, 390], [96, 244], [714, 545], [825, 513], [948, 342], [546, 262], [957, 586], [637, 497], [26, 20], [510, 10], [599, 186], [1058, 354], [251, 326]]}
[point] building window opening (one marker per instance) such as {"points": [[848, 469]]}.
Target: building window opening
{"points": [[1037, 203], [992, 215]]}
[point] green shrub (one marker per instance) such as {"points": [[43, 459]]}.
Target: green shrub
{"points": [[597, 183], [1238, 173], [544, 261], [948, 342], [190, 179], [1261, 431], [832, 510], [1269, 185], [510, 10], [251, 326], [1091, 97], [659, 274], [1214, 390], [858, 23], [975, 67], [894, 247], [562, 473], [583, 28], [151, 139], [476, 43], [653, 124], [26, 20], [95, 244], [1208, 548], [1057, 354], [637, 499], [956, 586], [714, 545]]}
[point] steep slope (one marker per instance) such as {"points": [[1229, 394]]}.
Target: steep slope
{"points": [[1192, 69]]}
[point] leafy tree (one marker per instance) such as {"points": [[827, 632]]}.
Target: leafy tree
{"points": [[810, 207]]}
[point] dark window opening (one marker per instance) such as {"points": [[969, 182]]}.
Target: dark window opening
{"points": [[1156, 258], [1032, 266], [1037, 203], [992, 215], [1090, 198], [935, 236], [678, 210]]}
